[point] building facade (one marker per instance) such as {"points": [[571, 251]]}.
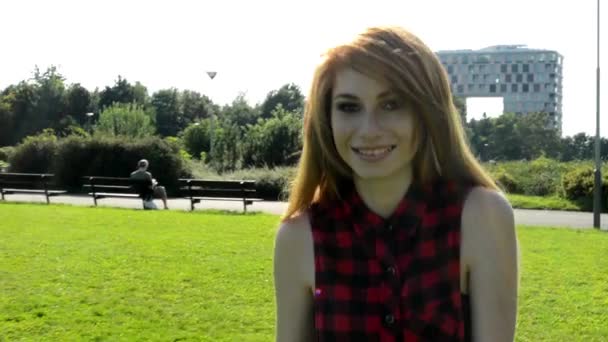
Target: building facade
{"points": [[528, 80]]}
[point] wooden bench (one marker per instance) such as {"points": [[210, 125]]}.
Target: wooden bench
{"points": [[230, 190], [115, 187], [29, 183]]}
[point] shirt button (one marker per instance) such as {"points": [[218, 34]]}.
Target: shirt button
{"points": [[391, 270], [390, 227], [389, 319]]}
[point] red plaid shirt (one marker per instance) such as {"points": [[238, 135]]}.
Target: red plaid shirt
{"points": [[395, 279]]}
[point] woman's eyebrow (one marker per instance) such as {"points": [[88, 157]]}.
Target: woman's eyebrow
{"points": [[346, 96]]}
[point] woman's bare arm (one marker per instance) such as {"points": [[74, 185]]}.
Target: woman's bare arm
{"points": [[489, 246], [294, 278]]}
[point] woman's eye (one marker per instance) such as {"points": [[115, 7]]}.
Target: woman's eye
{"points": [[390, 105], [348, 107]]}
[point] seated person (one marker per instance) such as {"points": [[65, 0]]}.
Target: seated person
{"points": [[155, 189]]}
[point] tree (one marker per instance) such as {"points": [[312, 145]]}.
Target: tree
{"points": [[239, 112], [273, 142], [123, 92], [196, 138], [195, 107], [538, 136], [288, 96], [169, 120], [121, 119], [461, 105], [224, 154], [78, 103], [7, 122]]}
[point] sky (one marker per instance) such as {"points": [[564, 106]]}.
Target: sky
{"points": [[257, 46]]}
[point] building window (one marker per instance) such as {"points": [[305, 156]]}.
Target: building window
{"points": [[482, 67], [519, 78], [454, 79], [525, 68], [470, 87], [450, 69], [508, 78], [503, 68], [530, 78], [525, 88], [471, 67], [460, 88], [514, 88], [503, 88], [514, 68], [536, 88], [475, 77], [465, 59], [492, 88]]}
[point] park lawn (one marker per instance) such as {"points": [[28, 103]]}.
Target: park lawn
{"points": [[102, 274]]}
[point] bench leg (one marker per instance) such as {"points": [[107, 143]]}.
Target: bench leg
{"points": [[2, 192], [245, 205], [95, 200], [191, 204]]}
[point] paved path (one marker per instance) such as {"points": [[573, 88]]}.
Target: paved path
{"points": [[522, 216]]}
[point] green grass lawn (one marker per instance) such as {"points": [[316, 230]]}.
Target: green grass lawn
{"points": [[100, 274]]}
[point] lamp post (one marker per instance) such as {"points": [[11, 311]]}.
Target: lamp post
{"points": [[597, 193], [89, 117], [211, 75]]}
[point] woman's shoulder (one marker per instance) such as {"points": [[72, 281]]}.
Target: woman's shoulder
{"points": [[486, 203], [487, 221], [294, 249], [295, 231]]}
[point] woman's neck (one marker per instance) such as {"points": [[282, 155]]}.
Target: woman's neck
{"points": [[382, 195]]}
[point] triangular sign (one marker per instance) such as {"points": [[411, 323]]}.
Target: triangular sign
{"points": [[211, 74]]}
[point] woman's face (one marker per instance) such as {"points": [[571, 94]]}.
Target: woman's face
{"points": [[372, 127]]}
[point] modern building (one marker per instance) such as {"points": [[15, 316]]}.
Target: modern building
{"points": [[528, 80]]}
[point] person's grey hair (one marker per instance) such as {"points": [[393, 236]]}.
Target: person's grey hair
{"points": [[142, 163]]}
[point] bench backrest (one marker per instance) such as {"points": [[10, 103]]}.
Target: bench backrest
{"points": [[116, 184], [26, 180], [214, 188]]}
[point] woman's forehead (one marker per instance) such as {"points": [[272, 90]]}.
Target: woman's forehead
{"points": [[352, 82]]}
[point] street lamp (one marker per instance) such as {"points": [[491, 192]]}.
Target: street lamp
{"points": [[89, 117], [597, 191], [211, 75]]}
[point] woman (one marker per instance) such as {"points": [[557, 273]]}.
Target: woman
{"points": [[393, 231]]}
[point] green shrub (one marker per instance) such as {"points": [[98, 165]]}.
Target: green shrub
{"points": [[6, 152], [578, 185], [271, 184], [35, 154], [505, 181], [196, 138], [118, 157], [540, 177]]}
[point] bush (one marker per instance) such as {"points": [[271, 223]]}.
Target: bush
{"points": [[540, 177], [578, 185], [117, 157], [125, 119], [35, 154], [505, 181], [196, 138], [273, 141], [271, 184], [6, 152]]}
